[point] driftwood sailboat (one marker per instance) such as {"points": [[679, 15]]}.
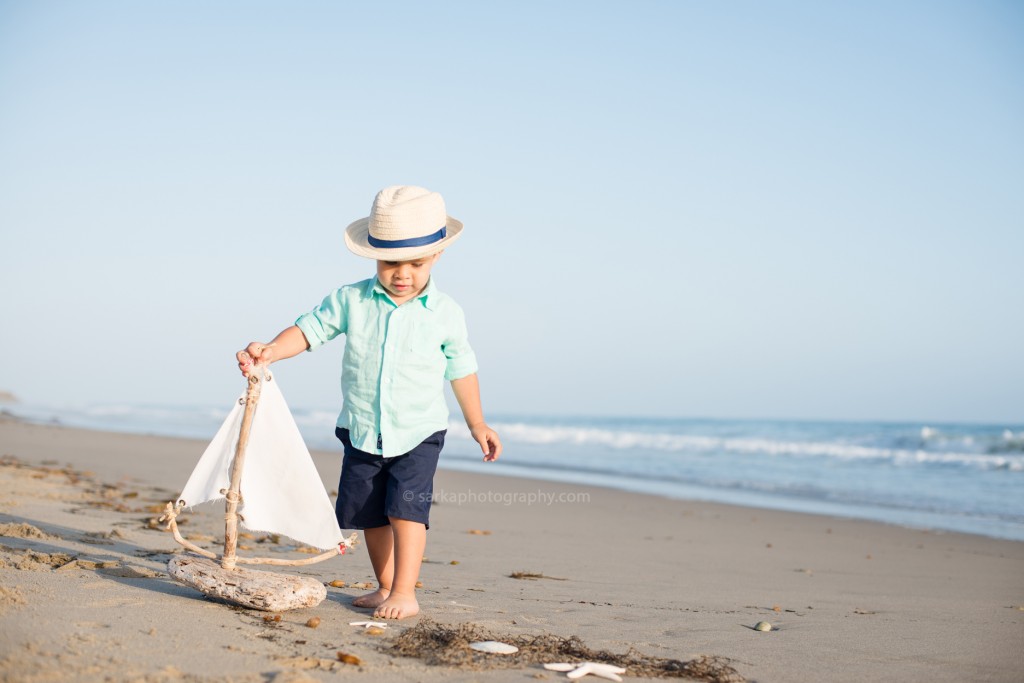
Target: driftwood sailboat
{"points": [[259, 465]]}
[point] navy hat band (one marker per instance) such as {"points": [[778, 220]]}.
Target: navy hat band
{"points": [[411, 242]]}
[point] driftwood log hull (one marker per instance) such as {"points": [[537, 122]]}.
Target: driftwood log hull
{"points": [[246, 587]]}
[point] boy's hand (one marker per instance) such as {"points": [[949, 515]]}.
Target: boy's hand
{"points": [[255, 352], [488, 439]]}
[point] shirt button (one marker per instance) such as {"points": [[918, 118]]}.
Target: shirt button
{"points": [[387, 380]]}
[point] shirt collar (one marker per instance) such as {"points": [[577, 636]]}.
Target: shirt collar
{"points": [[373, 286]]}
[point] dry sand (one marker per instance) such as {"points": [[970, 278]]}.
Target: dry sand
{"points": [[84, 595]]}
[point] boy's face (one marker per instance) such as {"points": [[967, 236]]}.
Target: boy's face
{"points": [[404, 280]]}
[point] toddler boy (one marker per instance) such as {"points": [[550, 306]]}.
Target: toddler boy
{"points": [[403, 338]]}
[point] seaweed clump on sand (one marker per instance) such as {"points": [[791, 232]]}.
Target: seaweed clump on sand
{"points": [[448, 645]]}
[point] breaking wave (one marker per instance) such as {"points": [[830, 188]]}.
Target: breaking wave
{"points": [[996, 456]]}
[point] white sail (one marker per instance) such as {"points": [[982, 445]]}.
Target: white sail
{"points": [[281, 490]]}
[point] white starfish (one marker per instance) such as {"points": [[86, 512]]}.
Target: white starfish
{"points": [[575, 671], [368, 624]]}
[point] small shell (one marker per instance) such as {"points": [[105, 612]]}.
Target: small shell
{"points": [[336, 584], [494, 646], [313, 622], [374, 631], [762, 626], [349, 659]]}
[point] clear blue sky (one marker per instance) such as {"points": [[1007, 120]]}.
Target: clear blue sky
{"points": [[744, 209]]}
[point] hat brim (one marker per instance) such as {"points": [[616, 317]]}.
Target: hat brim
{"points": [[357, 240]]}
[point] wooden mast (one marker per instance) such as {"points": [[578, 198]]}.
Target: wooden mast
{"points": [[233, 495]]}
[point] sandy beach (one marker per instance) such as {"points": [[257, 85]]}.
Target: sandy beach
{"points": [[84, 594]]}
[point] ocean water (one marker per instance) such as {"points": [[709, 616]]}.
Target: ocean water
{"points": [[955, 477]]}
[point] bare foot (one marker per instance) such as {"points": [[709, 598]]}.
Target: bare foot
{"points": [[373, 599], [398, 606]]}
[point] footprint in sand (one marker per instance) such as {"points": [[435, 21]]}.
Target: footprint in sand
{"points": [[31, 560], [22, 530]]}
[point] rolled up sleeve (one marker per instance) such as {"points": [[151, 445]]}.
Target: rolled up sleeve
{"points": [[325, 322], [461, 361]]}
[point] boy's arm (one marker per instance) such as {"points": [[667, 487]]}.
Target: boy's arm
{"points": [[467, 393], [290, 342]]}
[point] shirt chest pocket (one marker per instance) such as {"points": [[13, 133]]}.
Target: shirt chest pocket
{"points": [[422, 347]]}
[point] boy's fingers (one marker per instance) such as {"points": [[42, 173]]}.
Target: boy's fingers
{"points": [[491, 446], [244, 362]]}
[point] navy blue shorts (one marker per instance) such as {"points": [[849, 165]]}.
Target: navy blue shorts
{"points": [[374, 488]]}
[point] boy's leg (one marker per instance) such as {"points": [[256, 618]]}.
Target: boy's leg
{"points": [[410, 539], [410, 490], [380, 547], [362, 493]]}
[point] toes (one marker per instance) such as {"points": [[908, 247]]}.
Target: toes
{"points": [[386, 612], [393, 612]]}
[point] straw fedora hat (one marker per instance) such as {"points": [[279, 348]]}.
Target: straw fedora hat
{"points": [[405, 223]]}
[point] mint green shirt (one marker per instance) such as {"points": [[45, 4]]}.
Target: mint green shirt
{"points": [[396, 360]]}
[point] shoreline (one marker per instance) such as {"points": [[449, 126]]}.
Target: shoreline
{"points": [[852, 599], [911, 519], [788, 505]]}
